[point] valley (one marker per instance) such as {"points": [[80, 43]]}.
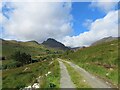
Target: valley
{"points": [[90, 67]]}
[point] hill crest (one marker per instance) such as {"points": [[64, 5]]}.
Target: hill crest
{"points": [[52, 43]]}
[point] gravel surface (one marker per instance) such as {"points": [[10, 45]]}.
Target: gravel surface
{"points": [[65, 81], [95, 82]]}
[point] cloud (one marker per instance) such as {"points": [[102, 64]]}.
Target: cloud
{"points": [[103, 5], [41, 20], [104, 27], [87, 23], [38, 21]]}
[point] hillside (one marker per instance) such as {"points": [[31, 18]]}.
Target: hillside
{"points": [[37, 51], [31, 47], [27, 74], [100, 60], [106, 39], [9, 47], [52, 43]]}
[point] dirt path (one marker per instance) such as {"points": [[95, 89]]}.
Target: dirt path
{"points": [[65, 81], [92, 80]]}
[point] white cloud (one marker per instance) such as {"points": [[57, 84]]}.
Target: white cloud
{"points": [[87, 23], [104, 27], [104, 5], [39, 21]]}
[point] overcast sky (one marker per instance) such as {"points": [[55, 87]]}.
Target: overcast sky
{"points": [[73, 24]]}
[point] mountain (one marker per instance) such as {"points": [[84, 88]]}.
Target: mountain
{"points": [[106, 39], [52, 43], [31, 47]]}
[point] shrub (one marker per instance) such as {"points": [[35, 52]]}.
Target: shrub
{"points": [[22, 58]]}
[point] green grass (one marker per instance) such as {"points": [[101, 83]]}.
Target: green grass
{"points": [[54, 77], [37, 51], [77, 79], [18, 78], [102, 72], [95, 59], [10, 47]]}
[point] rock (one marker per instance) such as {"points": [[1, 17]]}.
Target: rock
{"points": [[111, 44], [26, 69], [51, 63], [107, 82], [84, 80], [47, 73], [35, 85], [107, 74], [111, 69], [28, 88]]}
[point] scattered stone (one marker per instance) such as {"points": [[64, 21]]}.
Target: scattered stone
{"points": [[39, 76], [47, 73], [84, 80], [111, 69], [35, 85], [26, 69], [111, 44], [51, 63], [107, 74], [28, 88], [107, 82]]}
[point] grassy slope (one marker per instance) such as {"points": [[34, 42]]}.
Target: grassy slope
{"points": [[18, 78], [9, 47], [95, 58], [35, 50]]}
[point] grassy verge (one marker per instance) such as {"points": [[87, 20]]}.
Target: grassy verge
{"points": [[77, 79], [106, 74], [53, 79]]}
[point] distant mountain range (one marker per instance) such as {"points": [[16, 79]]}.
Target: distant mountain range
{"points": [[49, 43], [106, 39], [52, 43]]}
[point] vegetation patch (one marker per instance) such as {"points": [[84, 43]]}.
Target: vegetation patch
{"points": [[25, 75], [52, 80]]}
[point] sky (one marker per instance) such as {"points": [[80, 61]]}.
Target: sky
{"points": [[75, 24]]}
